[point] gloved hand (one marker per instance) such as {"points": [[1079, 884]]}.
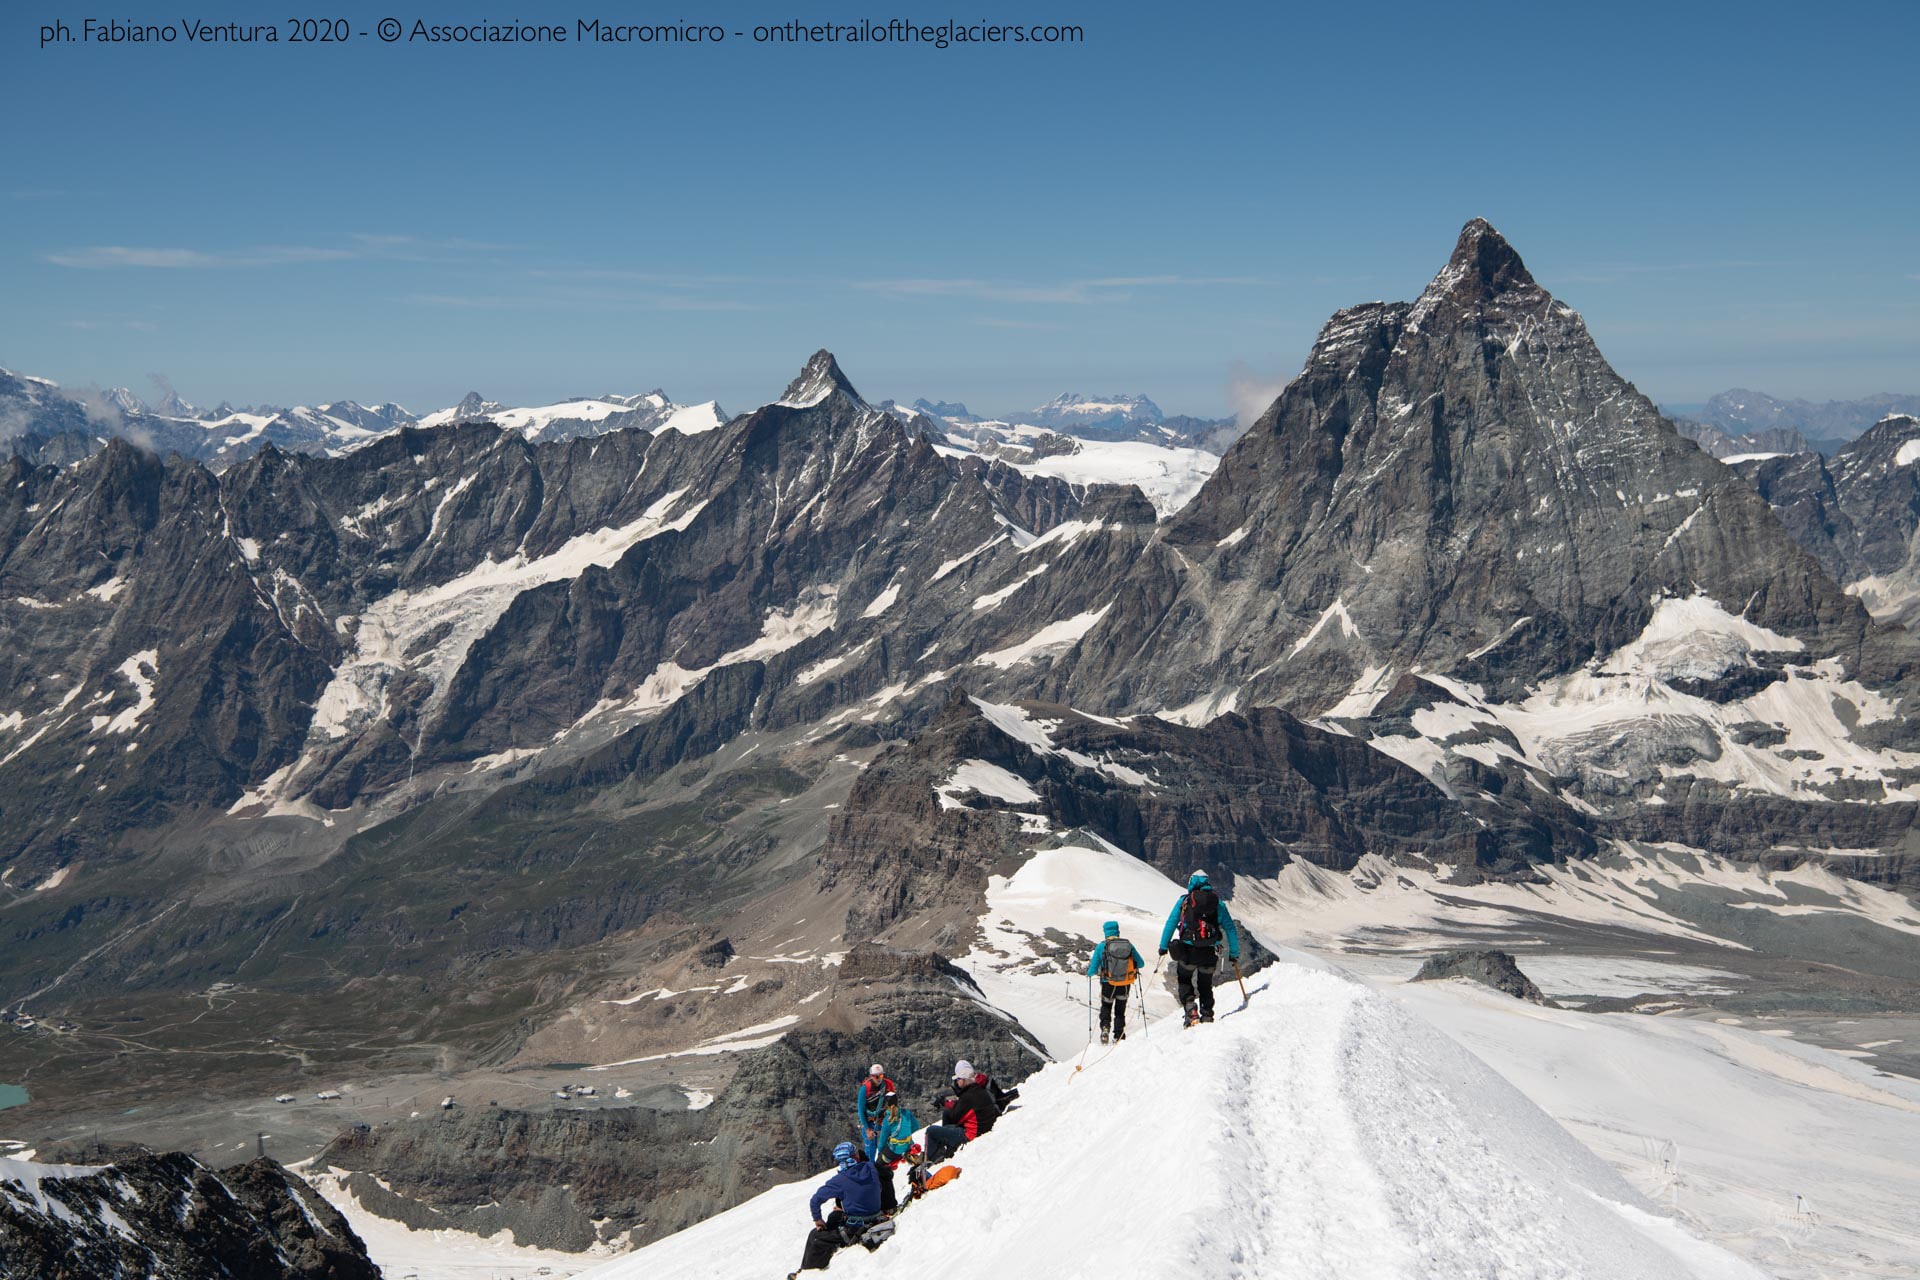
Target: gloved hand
{"points": [[1234, 956], [1163, 951]]}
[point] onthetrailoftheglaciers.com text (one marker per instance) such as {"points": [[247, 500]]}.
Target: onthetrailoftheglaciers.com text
{"points": [[951, 33]]}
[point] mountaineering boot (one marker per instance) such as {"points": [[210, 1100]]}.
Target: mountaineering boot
{"points": [[1103, 1037], [1206, 1017], [1192, 1015]]}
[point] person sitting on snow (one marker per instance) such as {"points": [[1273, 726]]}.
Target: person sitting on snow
{"points": [[970, 1111], [1118, 963], [866, 1106], [1203, 924], [857, 1187]]}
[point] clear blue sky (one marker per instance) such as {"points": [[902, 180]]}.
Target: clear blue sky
{"points": [[1729, 193]]}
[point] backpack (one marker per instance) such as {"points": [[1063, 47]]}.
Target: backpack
{"points": [[1117, 968], [1200, 917]]}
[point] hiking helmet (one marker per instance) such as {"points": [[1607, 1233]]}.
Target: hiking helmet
{"points": [[846, 1155], [1111, 928], [1197, 879], [963, 1070]]}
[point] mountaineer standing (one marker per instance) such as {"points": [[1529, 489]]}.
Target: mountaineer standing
{"points": [[1118, 962], [1196, 929]]}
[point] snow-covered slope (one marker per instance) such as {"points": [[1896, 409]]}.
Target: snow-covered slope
{"points": [[586, 416], [1320, 1130], [1168, 474]]}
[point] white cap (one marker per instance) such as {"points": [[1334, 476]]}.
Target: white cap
{"points": [[963, 1070], [876, 1070]]}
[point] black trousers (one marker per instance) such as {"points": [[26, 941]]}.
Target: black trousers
{"points": [[889, 1198], [1193, 975], [824, 1242], [1113, 1008], [943, 1140]]}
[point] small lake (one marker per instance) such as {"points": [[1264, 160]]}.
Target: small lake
{"points": [[11, 1095]]}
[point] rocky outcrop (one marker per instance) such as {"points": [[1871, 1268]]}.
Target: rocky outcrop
{"points": [[568, 1179], [1496, 969], [1856, 512], [169, 1215], [1241, 795]]}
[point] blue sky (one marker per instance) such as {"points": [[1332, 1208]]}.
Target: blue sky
{"points": [[1729, 193]]}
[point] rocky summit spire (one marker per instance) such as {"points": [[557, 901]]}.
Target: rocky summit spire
{"points": [[819, 379], [1482, 269]]}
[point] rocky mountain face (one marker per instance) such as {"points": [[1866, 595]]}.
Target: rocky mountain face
{"points": [[1856, 512], [169, 1215], [570, 1179], [932, 818]]}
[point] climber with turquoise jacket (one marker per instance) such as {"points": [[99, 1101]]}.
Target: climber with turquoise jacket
{"points": [[1196, 929], [1118, 964]]}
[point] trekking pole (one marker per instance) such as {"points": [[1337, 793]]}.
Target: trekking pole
{"points": [[1081, 1065], [1144, 1020]]}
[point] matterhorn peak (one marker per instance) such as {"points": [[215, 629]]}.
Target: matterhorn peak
{"points": [[1482, 268], [819, 379]]}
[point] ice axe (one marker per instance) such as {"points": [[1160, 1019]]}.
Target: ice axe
{"points": [[1244, 997]]}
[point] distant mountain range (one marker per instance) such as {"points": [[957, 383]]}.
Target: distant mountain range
{"points": [[1740, 422], [41, 422]]}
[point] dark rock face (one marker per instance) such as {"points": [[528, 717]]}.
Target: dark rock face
{"points": [[550, 1177], [169, 1215], [1495, 969]]}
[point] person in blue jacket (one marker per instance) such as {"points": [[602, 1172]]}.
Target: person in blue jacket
{"points": [[1197, 928], [897, 1125], [857, 1187], [867, 1102], [1118, 962]]}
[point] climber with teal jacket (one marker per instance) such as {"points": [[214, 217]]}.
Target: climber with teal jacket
{"points": [[1119, 964], [1202, 924]]}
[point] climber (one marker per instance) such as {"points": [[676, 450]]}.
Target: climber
{"points": [[970, 1111], [896, 1138], [1118, 962], [866, 1106], [1202, 924], [857, 1188]]}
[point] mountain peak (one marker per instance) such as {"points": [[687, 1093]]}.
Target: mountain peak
{"points": [[820, 378], [1482, 267]]}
